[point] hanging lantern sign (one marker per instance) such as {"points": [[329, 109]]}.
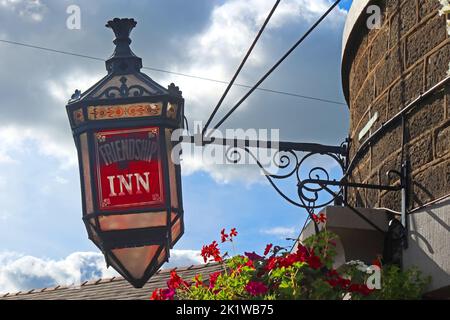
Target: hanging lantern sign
{"points": [[131, 187]]}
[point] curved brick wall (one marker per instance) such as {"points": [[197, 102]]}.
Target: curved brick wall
{"points": [[384, 70]]}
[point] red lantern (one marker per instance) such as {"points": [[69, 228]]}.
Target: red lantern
{"points": [[131, 187]]}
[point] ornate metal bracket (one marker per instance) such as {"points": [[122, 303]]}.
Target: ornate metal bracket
{"points": [[315, 187]]}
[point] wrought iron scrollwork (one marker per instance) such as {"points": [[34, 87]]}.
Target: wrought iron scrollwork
{"points": [[318, 189], [293, 162], [124, 91]]}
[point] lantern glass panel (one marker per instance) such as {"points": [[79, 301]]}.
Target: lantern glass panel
{"points": [[136, 260], [133, 221], [86, 173], [162, 257], [172, 172], [112, 262], [176, 230]]}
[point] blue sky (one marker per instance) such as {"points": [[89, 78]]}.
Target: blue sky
{"points": [[42, 237], [346, 4]]}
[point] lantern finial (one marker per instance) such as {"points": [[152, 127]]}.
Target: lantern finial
{"points": [[123, 59]]}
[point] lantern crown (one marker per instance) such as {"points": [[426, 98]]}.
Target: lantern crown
{"points": [[123, 59], [124, 80]]}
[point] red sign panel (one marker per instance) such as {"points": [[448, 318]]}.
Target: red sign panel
{"points": [[129, 173]]}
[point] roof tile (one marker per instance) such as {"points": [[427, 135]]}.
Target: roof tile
{"points": [[115, 288]]}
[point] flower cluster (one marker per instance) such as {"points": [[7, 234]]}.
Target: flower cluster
{"points": [[305, 273], [337, 281], [211, 252], [175, 282], [321, 218], [228, 237], [256, 288], [246, 276], [301, 255]]}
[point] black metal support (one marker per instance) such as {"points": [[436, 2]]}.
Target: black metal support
{"points": [[199, 140], [405, 200], [344, 183], [292, 158]]}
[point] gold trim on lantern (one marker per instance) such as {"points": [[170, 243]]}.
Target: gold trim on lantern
{"points": [[124, 111], [78, 116], [172, 111]]}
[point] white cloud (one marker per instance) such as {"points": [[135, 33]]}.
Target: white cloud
{"points": [[63, 89], [217, 50], [22, 272], [183, 258], [33, 10], [222, 173], [281, 232], [61, 180], [15, 139]]}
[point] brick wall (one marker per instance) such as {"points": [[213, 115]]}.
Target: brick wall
{"points": [[390, 67]]}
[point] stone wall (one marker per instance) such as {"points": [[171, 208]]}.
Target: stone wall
{"points": [[387, 69]]}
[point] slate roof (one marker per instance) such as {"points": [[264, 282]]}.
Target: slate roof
{"points": [[115, 288]]}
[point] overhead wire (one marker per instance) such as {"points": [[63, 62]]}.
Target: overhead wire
{"points": [[63, 52], [236, 74], [276, 65]]}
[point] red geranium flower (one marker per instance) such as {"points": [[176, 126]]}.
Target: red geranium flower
{"points": [[223, 235], [333, 282], [332, 273], [249, 263], [156, 295], [211, 251], [321, 218], [198, 281], [213, 278], [302, 252], [168, 294], [268, 248], [344, 283], [256, 288], [271, 263], [253, 256], [175, 281], [376, 262], [314, 262], [360, 288]]}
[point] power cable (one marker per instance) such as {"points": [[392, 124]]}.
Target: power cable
{"points": [[211, 117], [51, 50], [313, 27]]}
